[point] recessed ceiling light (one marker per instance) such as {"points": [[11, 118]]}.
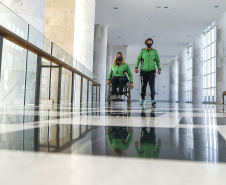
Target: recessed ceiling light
{"points": [[119, 37], [166, 7], [158, 7], [216, 6], [116, 8]]}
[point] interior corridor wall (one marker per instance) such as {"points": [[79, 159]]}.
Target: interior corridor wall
{"points": [[59, 23], [162, 84]]}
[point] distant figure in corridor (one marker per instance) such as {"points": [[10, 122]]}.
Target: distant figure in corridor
{"points": [[149, 58], [117, 75], [119, 139], [148, 147]]}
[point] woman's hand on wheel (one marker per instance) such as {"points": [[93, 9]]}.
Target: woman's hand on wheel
{"points": [[108, 81], [131, 86]]}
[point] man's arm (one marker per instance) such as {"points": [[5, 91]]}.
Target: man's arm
{"points": [[138, 59]]}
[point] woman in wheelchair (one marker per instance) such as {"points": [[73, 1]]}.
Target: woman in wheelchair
{"points": [[117, 75]]}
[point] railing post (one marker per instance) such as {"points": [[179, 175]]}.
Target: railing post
{"points": [[96, 93], [38, 80], [81, 90], [87, 92], [59, 85], [50, 73], [72, 88], [99, 93], [92, 92], [1, 48]]}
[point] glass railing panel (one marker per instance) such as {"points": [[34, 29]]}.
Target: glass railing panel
{"points": [[13, 22], [31, 78], [35, 37], [59, 53], [45, 84], [13, 72], [77, 89], [70, 60], [54, 84], [66, 87], [80, 67], [84, 92]]}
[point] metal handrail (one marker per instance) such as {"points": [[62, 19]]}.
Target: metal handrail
{"points": [[12, 37]]}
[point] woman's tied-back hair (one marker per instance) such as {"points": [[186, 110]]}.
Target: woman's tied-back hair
{"points": [[115, 59], [146, 41]]}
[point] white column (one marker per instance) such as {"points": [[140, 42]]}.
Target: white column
{"points": [[182, 76], [109, 62], [32, 11], [109, 58], [198, 64], [173, 76], [221, 58], [84, 32], [100, 57]]}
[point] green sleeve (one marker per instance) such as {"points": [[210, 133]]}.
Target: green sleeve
{"points": [[110, 73], [158, 61], [138, 59], [127, 144], [157, 152], [129, 73], [138, 151], [109, 140]]}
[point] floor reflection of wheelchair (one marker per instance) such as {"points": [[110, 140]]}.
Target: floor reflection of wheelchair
{"points": [[126, 93]]}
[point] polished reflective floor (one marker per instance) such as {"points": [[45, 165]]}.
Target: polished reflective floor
{"points": [[95, 138]]}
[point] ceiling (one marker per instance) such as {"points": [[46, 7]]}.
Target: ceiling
{"points": [[172, 28]]}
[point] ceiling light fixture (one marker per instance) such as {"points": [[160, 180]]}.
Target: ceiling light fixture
{"points": [[166, 7], [158, 7], [216, 6], [116, 8]]}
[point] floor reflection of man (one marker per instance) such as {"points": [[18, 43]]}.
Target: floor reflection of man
{"points": [[119, 139], [143, 112], [148, 148]]}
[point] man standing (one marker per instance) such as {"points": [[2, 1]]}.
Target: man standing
{"points": [[149, 58]]}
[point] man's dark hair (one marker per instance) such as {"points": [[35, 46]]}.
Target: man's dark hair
{"points": [[146, 41]]}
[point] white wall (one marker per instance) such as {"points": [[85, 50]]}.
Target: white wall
{"points": [[122, 49], [162, 84]]}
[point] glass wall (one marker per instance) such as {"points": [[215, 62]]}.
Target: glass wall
{"points": [[189, 72], [19, 68], [210, 64]]}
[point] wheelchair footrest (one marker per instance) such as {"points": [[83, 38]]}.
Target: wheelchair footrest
{"points": [[118, 100]]}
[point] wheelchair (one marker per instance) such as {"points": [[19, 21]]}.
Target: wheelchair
{"points": [[126, 93]]}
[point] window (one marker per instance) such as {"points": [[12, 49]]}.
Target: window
{"points": [[189, 73], [177, 78], [210, 64]]}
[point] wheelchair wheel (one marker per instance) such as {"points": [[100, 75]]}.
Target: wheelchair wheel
{"points": [[109, 94], [129, 100]]}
